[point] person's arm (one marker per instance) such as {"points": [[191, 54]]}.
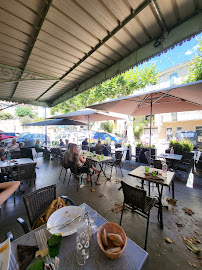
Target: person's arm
{"points": [[10, 188], [82, 159]]}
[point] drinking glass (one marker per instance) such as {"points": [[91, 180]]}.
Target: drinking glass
{"points": [[98, 158], [54, 245], [102, 156], [154, 173], [146, 169], [8, 158], [92, 218], [82, 242]]}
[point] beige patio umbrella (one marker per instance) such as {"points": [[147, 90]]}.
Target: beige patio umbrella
{"points": [[186, 97]]}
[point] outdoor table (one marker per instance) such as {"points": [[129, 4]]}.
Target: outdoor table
{"points": [[119, 149], [133, 256], [166, 181], [18, 162], [100, 162]]}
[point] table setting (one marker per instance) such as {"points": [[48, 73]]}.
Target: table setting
{"points": [[81, 246]]}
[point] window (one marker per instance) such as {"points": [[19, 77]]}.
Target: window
{"points": [[179, 128], [199, 131], [173, 79], [168, 133], [174, 116]]}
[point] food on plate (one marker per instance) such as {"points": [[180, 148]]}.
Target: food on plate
{"points": [[41, 252], [114, 250], [104, 238]]}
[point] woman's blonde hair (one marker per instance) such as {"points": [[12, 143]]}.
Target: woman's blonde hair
{"points": [[73, 148]]}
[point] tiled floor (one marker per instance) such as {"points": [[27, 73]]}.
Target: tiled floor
{"points": [[161, 255]]}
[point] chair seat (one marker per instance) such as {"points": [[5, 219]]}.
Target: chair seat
{"points": [[149, 203]]}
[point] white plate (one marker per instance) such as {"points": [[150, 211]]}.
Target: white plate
{"points": [[62, 216], [5, 255]]}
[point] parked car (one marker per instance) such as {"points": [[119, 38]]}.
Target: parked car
{"points": [[73, 137], [103, 135], [29, 139], [187, 135]]}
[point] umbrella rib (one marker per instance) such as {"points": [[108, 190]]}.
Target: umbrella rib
{"points": [[143, 101]]}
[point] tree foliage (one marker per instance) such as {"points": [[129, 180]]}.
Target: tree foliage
{"points": [[138, 128], [24, 120], [5, 116], [195, 73], [23, 111], [108, 126], [121, 85]]}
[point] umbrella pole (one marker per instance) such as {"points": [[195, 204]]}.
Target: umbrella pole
{"points": [[150, 133], [45, 130], [88, 134]]}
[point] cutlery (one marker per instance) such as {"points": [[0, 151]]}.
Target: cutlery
{"points": [[64, 224]]}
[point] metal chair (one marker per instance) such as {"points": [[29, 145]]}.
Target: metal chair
{"points": [[64, 167], [74, 170], [116, 163], [56, 153], [26, 173], [137, 156], [15, 154], [137, 201], [37, 202]]}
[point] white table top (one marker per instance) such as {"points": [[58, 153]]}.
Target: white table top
{"points": [[120, 149], [88, 155], [15, 162], [171, 156], [139, 172]]}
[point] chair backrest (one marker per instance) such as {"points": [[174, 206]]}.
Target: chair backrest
{"points": [[73, 167], [118, 156], [38, 201], [157, 164], [26, 153], [98, 152], [147, 156], [26, 172], [134, 197], [15, 154]]}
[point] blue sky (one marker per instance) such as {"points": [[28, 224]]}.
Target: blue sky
{"points": [[178, 55]]}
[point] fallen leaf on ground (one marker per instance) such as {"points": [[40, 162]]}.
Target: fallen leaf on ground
{"points": [[98, 184], [168, 240], [201, 264], [173, 209], [199, 258], [100, 195], [197, 233], [118, 181], [188, 211], [92, 189], [171, 201], [190, 245], [196, 239], [158, 245], [157, 255], [178, 265], [192, 264], [137, 186], [118, 207], [179, 224]]}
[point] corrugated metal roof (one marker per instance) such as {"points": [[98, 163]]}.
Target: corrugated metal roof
{"points": [[53, 50]]}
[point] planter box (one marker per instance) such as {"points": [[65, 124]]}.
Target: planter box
{"points": [[142, 156]]}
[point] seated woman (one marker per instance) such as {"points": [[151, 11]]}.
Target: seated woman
{"points": [[8, 189], [13, 146], [38, 147], [99, 147], [83, 166]]}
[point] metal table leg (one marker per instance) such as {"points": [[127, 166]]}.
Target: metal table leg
{"points": [[160, 206]]}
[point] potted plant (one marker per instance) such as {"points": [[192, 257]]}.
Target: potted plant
{"points": [[144, 147]]}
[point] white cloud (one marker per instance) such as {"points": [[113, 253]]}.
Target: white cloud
{"points": [[195, 48]]}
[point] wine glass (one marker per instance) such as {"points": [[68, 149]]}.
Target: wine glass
{"points": [[92, 218]]}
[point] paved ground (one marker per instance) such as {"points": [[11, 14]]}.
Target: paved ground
{"points": [[161, 255]]}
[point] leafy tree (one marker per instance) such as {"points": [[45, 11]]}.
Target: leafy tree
{"points": [[26, 120], [108, 126], [5, 116], [138, 129], [195, 73], [23, 111], [121, 85]]}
